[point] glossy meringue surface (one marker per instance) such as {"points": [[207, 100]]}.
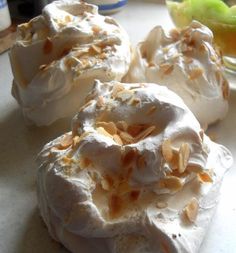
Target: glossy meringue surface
{"points": [[188, 63], [136, 173], [57, 56]]}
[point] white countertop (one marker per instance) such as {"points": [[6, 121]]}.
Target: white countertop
{"points": [[21, 228]]}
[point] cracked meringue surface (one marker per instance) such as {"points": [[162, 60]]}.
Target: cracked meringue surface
{"points": [[58, 55], [188, 63], [135, 174]]}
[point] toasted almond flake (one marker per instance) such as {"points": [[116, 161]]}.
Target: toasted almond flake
{"points": [[151, 110], [135, 101], [194, 168], [68, 18], [117, 139], [102, 56], [145, 133], [67, 160], [100, 102], [102, 131], [195, 73], [171, 182], [225, 90], [96, 29], [191, 210], [129, 158], [48, 46], [122, 125], [184, 153], [126, 138], [166, 68], [134, 195], [167, 151], [204, 177], [70, 62], [115, 205], [125, 95], [110, 127], [95, 49], [161, 204], [66, 141], [136, 129], [116, 89]]}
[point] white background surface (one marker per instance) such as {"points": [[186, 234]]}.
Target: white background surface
{"points": [[21, 229]]}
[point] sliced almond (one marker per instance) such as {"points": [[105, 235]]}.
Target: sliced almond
{"points": [[145, 133], [166, 68], [195, 73], [116, 89], [122, 125], [184, 153], [126, 138], [102, 131], [167, 151], [136, 129], [225, 90], [117, 139], [48, 46], [204, 177], [191, 210], [94, 49], [171, 182], [110, 127], [194, 168]]}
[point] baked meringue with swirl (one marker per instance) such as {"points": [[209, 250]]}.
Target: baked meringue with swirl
{"points": [[136, 174], [188, 63], [58, 55]]}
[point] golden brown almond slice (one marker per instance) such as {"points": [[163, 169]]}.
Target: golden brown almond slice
{"points": [[191, 210], [100, 102], [48, 46], [204, 177], [66, 141], [225, 90], [195, 73], [110, 127], [122, 125], [184, 153], [117, 139], [166, 68], [172, 183], [126, 138], [136, 129], [167, 151], [135, 101], [102, 131], [94, 49], [194, 168], [145, 133]]}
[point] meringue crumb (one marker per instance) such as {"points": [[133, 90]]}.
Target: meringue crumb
{"points": [[110, 127], [184, 153], [171, 182], [161, 205], [48, 46], [195, 73], [167, 151], [191, 210], [204, 177]]}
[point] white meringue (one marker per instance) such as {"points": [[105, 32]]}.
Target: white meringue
{"points": [[187, 62], [122, 179], [58, 55]]}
